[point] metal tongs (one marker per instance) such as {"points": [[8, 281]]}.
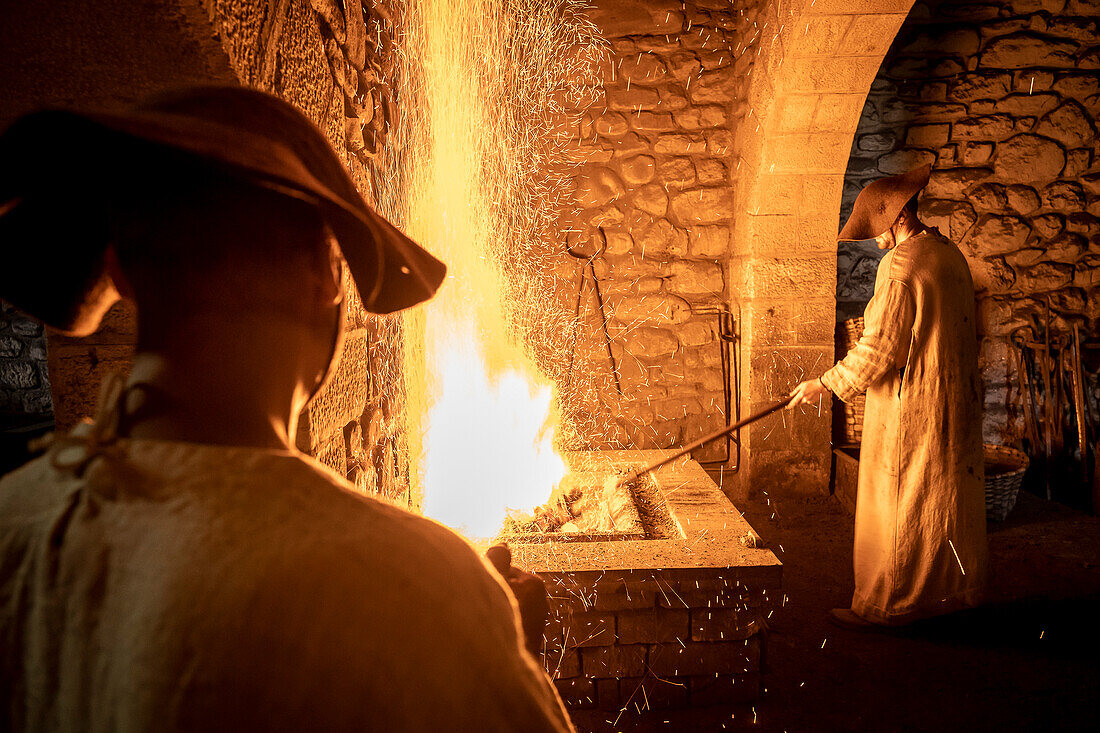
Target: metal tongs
{"points": [[588, 267]]}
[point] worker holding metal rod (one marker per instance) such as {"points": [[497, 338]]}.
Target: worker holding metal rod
{"points": [[920, 536]]}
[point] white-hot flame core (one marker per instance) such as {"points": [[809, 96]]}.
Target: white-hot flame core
{"points": [[488, 447]]}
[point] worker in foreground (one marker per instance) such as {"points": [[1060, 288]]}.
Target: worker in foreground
{"points": [[920, 537], [176, 564]]}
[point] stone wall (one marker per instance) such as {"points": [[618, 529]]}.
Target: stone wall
{"points": [[1003, 99], [659, 168], [24, 378]]}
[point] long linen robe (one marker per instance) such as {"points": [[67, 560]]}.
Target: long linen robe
{"points": [[170, 586], [920, 536]]}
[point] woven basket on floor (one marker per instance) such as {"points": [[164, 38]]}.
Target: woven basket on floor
{"points": [[1004, 473], [853, 412]]}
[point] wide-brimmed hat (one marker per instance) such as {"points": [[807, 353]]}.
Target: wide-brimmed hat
{"points": [[878, 205], [54, 164]]}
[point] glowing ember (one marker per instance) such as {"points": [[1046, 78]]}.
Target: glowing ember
{"points": [[474, 165]]}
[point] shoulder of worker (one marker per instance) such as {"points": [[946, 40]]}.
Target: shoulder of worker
{"points": [[924, 256], [397, 596], [32, 490]]}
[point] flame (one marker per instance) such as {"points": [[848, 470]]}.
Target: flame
{"points": [[489, 414]]}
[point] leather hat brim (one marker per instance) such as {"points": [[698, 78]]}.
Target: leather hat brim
{"points": [[391, 271], [878, 205]]}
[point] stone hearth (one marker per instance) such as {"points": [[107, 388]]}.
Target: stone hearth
{"points": [[658, 622]]}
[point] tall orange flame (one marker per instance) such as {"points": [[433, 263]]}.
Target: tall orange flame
{"points": [[488, 413]]}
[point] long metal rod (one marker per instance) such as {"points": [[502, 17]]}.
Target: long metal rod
{"points": [[706, 439]]}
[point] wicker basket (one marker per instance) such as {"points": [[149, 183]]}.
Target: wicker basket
{"points": [[853, 412], [1004, 473]]}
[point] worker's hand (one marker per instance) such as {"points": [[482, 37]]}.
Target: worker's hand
{"points": [[530, 593], [809, 392]]}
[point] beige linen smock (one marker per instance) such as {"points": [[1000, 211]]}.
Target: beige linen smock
{"points": [[920, 536], [169, 586]]}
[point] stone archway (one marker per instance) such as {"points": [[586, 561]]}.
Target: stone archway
{"points": [[805, 98]]}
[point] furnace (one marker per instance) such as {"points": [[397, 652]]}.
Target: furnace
{"points": [[675, 616]]}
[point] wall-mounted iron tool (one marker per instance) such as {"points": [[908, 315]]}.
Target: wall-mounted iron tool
{"points": [[588, 268]]}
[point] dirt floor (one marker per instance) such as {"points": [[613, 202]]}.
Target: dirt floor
{"points": [[1028, 660]]}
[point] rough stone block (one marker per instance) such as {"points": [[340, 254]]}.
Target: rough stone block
{"points": [[607, 694], [709, 241], [988, 127], [954, 218], [837, 112], [623, 599], [701, 658], [679, 145], [980, 85], [1030, 105], [614, 661], [719, 142], [650, 343], [633, 99], [591, 629], [577, 692], [697, 333], [652, 121], [620, 18], [598, 187], [994, 234], [651, 199], [945, 39], [876, 142], [1044, 276], [795, 113], [644, 68], [927, 135], [651, 693], [791, 277], [672, 99], [1070, 124], [695, 118], [789, 470], [724, 689], [1024, 50], [790, 322], [711, 172], [650, 309], [955, 183], [678, 172], [562, 663], [823, 152], [991, 274], [695, 277], [988, 196], [714, 87], [653, 626], [975, 153], [723, 624], [703, 205], [662, 238]]}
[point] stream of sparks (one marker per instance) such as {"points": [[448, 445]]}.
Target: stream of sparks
{"points": [[487, 413]]}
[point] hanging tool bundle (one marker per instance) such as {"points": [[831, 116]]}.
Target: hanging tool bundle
{"points": [[1060, 425]]}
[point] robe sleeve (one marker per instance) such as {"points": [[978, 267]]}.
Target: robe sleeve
{"points": [[888, 323]]}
